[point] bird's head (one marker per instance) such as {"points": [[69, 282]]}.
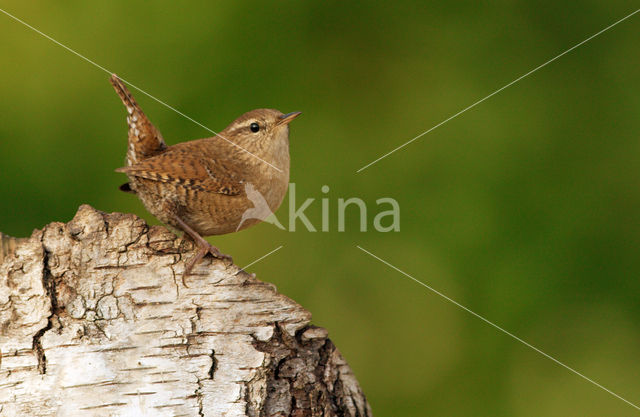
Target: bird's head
{"points": [[261, 131]]}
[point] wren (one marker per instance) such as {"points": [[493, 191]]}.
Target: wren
{"points": [[200, 186]]}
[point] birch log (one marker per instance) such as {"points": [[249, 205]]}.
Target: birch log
{"points": [[95, 320]]}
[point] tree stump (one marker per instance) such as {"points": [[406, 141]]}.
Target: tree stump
{"points": [[95, 320]]}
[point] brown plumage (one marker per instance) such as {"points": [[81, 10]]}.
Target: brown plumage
{"points": [[144, 139], [200, 186]]}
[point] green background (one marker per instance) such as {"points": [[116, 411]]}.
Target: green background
{"points": [[524, 209]]}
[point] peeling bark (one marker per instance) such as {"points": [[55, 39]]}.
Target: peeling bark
{"points": [[96, 321]]}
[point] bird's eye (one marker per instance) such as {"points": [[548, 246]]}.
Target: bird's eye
{"points": [[254, 127]]}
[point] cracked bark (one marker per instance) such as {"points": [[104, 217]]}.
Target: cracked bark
{"points": [[95, 321]]}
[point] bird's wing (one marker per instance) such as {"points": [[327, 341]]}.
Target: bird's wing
{"points": [[183, 168]]}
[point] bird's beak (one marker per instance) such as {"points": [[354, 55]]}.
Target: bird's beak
{"points": [[287, 118]]}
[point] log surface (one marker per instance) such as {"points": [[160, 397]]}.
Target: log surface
{"points": [[95, 320]]}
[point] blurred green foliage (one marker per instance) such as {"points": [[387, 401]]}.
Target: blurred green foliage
{"points": [[526, 208]]}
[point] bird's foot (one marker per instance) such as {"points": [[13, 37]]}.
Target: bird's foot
{"points": [[202, 251], [215, 252], [203, 246]]}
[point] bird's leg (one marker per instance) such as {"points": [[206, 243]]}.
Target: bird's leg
{"points": [[204, 247]]}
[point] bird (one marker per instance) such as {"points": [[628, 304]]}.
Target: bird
{"points": [[204, 187]]}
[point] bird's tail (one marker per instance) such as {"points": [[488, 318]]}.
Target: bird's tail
{"points": [[144, 139]]}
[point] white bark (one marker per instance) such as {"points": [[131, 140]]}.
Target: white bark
{"points": [[96, 321]]}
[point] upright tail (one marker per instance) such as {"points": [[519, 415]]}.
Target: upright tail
{"points": [[144, 139]]}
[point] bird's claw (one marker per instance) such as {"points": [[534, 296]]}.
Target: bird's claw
{"points": [[215, 252], [201, 253]]}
